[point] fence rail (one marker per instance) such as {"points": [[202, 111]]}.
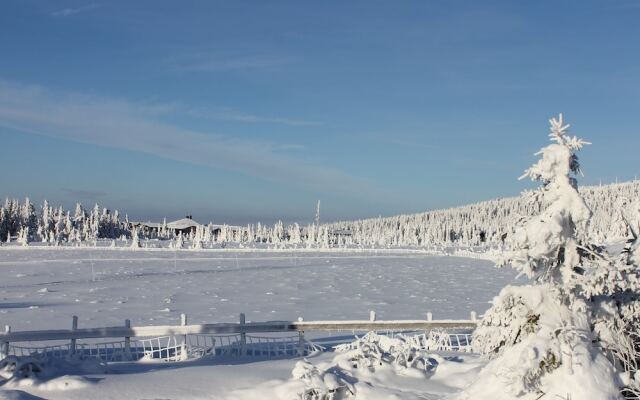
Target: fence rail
{"points": [[183, 331]]}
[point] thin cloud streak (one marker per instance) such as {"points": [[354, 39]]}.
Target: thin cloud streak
{"points": [[395, 139], [66, 12], [79, 194], [124, 125], [203, 62], [237, 116]]}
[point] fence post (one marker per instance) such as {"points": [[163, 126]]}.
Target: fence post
{"points": [[243, 336], [4, 346], [74, 326], [300, 340], [474, 316], [372, 315], [127, 342], [183, 347], [301, 343], [429, 316]]}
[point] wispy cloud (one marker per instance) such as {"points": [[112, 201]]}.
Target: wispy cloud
{"points": [[290, 146], [628, 5], [205, 62], [131, 126], [395, 139], [79, 194], [225, 114], [66, 12]]}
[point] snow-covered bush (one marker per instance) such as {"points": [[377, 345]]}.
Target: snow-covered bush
{"points": [[361, 361], [321, 385], [541, 336], [14, 368], [46, 373], [373, 351]]}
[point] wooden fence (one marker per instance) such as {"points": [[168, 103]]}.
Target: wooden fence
{"points": [[242, 328]]}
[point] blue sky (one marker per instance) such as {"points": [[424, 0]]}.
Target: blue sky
{"points": [[239, 111]]}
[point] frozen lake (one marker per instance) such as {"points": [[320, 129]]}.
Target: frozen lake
{"points": [[43, 287]]}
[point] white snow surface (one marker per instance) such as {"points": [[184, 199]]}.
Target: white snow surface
{"points": [[41, 288]]}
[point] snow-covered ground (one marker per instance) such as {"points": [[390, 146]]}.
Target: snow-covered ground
{"points": [[42, 289]]}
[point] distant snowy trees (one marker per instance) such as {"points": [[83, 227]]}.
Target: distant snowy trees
{"points": [[54, 225], [487, 223]]}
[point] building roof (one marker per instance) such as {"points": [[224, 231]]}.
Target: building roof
{"points": [[183, 223]]}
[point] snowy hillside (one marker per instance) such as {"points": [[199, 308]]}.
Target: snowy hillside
{"points": [[487, 222]]}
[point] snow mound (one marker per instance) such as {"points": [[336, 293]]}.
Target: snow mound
{"points": [[373, 367], [24, 372]]}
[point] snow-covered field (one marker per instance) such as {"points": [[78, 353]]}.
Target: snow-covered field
{"points": [[42, 289]]}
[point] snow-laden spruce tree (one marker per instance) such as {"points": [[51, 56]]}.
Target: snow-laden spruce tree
{"points": [[179, 242], [23, 236], [613, 290], [540, 336], [135, 238]]}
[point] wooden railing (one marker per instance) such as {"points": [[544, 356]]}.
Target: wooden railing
{"points": [[127, 331]]}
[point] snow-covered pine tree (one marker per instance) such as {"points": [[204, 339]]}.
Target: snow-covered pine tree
{"points": [[179, 241], [207, 233], [135, 239], [14, 216], [317, 221], [28, 219], [540, 335], [613, 291], [59, 226], [5, 225], [46, 224], [23, 236], [68, 227], [294, 234], [198, 237], [325, 238]]}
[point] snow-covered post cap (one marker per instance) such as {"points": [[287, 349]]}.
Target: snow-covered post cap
{"points": [[4, 346], [183, 347]]}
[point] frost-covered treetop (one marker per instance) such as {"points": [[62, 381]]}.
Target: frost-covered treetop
{"points": [[559, 134], [545, 247], [558, 159]]}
